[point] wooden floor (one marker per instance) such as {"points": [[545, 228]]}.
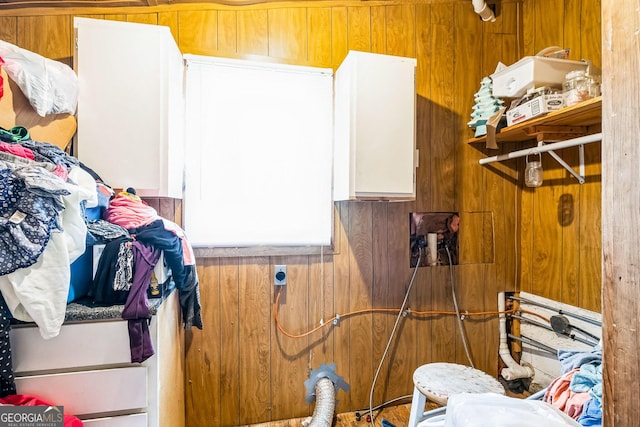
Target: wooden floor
{"points": [[397, 415]]}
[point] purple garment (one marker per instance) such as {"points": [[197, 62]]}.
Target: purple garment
{"points": [[136, 309]]}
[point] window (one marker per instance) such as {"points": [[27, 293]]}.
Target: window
{"points": [[258, 154]]}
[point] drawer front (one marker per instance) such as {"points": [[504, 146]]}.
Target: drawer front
{"points": [[135, 420], [77, 345], [90, 392]]}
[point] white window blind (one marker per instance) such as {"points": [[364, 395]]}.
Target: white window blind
{"points": [[258, 154]]}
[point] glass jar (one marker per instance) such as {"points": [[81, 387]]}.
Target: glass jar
{"points": [[533, 172], [578, 86], [594, 86]]}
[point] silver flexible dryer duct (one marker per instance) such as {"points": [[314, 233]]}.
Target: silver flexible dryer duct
{"points": [[325, 404], [322, 387]]}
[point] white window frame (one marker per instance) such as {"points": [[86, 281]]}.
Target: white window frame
{"points": [[270, 145]]}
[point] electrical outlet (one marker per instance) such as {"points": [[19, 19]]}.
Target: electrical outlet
{"points": [[280, 275]]}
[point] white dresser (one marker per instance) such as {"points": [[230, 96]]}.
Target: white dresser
{"points": [[87, 369]]}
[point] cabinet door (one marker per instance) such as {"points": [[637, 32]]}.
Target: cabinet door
{"points": [[135, 420], [91, 392], [79, 345], [130, 106], [375, 127]]}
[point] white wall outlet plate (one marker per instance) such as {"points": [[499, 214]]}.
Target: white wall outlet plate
{"points": [[280, 275]]}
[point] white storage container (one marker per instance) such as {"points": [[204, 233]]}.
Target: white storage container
{"points": [[531, 72]]}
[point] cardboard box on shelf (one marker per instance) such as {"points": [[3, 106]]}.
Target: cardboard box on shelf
{"points": [[535, 107]]}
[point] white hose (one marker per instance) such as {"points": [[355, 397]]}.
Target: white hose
{"points": [[513, 370], [325, 404], [481, 8], [393, 331]]}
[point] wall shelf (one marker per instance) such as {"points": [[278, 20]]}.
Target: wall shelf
{"points": [[577, 120], [573, 126]]}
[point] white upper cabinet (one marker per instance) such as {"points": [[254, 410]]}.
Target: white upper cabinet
{"points": [[374, 145], [131, 114], [130, 105]]}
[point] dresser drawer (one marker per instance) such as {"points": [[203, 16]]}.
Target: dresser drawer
{"points": [[90, 392], [77, 345], [135, 420]]}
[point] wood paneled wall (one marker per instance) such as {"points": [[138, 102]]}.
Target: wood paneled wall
{"points": [[560, 222], [240, 369]]}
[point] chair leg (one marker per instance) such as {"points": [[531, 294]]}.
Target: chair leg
{"points": [[417, 407]]}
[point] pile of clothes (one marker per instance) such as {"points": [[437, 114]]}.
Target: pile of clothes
{"points": [[43, 194], [44, 228], [136, 239], [578, 391]]}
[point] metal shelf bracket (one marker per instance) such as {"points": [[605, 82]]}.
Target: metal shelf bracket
{"points": [[550, 148]]}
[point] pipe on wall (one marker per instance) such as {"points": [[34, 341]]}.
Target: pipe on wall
{"points": [[481, 8], [513, 370]]}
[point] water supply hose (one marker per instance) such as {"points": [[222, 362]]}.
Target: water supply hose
{"points": [[393, 332], [463, 336]]}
